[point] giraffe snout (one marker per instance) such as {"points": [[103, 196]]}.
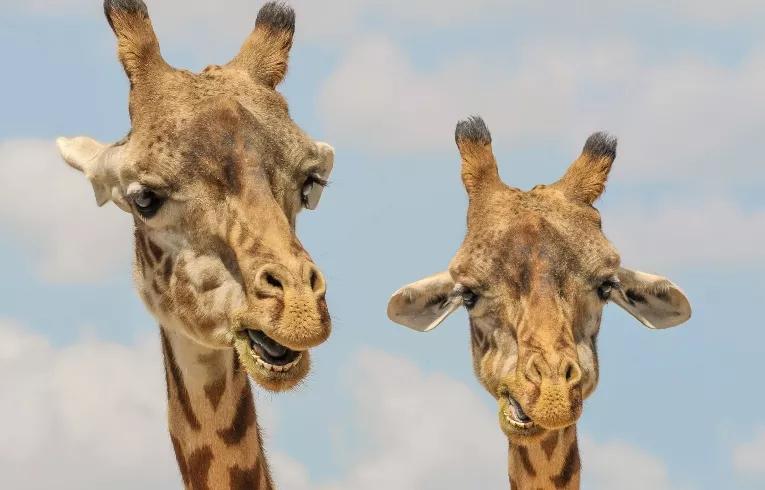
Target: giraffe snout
{"points": [[555, 389], [566, 371], [278, 281], [294, 299]]}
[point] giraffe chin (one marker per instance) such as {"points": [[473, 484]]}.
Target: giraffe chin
{"points": [[272, 377], [520, 427]]}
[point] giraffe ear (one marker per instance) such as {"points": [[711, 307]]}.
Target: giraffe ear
{"points": [[654, 300], [99, 163], [424, 304]]}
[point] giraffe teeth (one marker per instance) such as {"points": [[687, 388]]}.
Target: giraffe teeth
{"points": [[512, 421], [274, 367]]}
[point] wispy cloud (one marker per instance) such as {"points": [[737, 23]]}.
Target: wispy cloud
{"points": [[428, 431], [705, 230], [683, 119], [88, 415], [94, 413], [749, 457], [51, 213]]}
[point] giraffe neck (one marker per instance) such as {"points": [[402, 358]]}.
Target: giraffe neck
{"points": [[550, 463], [211, 417]]}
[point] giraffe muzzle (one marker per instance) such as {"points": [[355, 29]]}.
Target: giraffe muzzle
{"points": [[271, 364]]}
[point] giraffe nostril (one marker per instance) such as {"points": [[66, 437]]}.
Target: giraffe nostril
{"points": [[572, 372], [271, 280], [314, 280]]}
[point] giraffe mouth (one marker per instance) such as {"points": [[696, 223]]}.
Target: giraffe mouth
{"points": [[270, 354], [514, 414]]}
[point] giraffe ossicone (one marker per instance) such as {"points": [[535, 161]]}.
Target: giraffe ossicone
{"points": [[214, 172], [534, 272]]}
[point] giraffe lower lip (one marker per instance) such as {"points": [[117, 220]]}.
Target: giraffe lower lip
{"points": [[270, 351]]}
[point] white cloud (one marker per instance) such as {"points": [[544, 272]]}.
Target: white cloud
{"points": [[92, 415], [683, 119], [427, 431], [422, 430], [709, 231], [716, 13], [428, 13], [749, 457], [89, 415], [213, 22], [616, 464], [52, 214], [417, 430]]}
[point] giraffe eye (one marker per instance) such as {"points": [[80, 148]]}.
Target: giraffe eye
{"points": [[605, 289], [147, 202], [469, 298], [311, 191]]}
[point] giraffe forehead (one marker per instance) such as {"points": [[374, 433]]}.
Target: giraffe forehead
{"points": [[205, 125], [533, 241]]}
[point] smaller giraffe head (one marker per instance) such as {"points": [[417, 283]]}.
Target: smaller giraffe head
{"points": [[534, 273], [214, 172]]}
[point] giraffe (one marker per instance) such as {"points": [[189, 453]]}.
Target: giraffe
{"points": [[214, 172], [534, 272]]}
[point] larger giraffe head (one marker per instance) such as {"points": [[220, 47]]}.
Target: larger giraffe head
{"points": [[534, 273], [214, 172]]}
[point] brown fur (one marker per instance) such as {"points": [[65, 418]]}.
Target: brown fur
{"points": [[214, 391], [244, 418], [531, 468], [221, 155], [534, 272], [535, 260]]}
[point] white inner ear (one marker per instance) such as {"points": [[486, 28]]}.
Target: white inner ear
{"points": [[424, 304], [327, 158], [654, 300], [99, 162]]}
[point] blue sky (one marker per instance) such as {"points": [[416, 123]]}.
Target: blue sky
{"points": [[385, 82]]}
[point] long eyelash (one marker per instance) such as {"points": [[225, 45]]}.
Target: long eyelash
{"points": [[314, 178], [318, 179]]}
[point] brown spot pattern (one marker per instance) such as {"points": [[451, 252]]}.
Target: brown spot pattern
{"points": [[140, 247], [198, 467], [156, 252], [181, 459], [243, 419], [167, 269], [570, 467], [247, 479], [523, 455], [478, 339], [549, 443], [214, 391], [176, 376], [209, 359]]}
